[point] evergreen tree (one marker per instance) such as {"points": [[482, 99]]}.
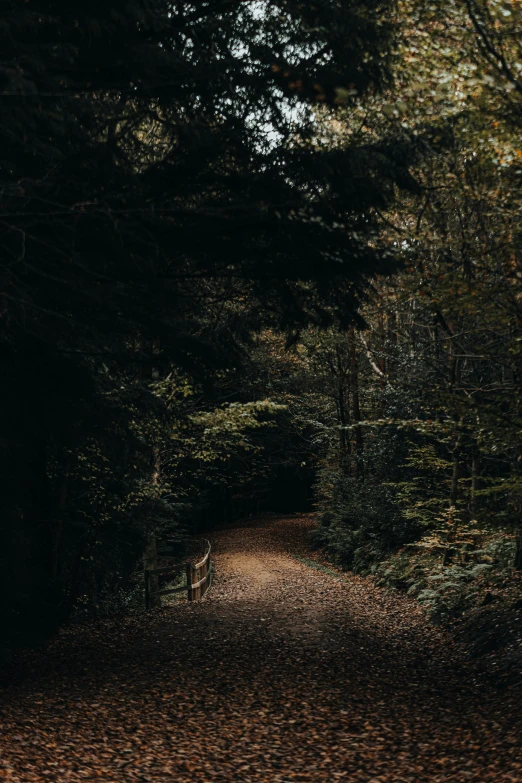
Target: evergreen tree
{"points": [[159, 159]]}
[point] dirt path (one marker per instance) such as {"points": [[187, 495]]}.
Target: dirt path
{"points": [[282, 673]]}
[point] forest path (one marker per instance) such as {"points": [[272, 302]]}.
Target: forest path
{"points": [[282, 673]]}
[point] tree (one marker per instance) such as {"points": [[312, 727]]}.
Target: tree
{"points": [[442, 336], [161, 186]]}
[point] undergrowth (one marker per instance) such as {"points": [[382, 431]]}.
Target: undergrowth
{"points": [[450, 574]]}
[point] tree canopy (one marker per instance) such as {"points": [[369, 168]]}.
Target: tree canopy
{"points": [[164, 197], [254, 255]]}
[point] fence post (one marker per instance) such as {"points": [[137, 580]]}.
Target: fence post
{"points": [[189, 581], [198, 588], [204, 586]]}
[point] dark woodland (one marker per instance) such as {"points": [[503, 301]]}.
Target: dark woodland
{"points": [[261, 391]]}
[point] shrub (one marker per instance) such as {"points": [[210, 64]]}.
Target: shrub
{"points": [[359, 522]]}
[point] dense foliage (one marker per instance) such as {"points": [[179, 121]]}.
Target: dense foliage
{"points": [[163, 199], [249, 249], [422, 455]]}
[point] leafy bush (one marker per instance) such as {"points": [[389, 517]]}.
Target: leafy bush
{"points": [[125, 600], [448, 588], [359, 522]]}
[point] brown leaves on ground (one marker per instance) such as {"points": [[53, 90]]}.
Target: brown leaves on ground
{"points": [[282, 673]]}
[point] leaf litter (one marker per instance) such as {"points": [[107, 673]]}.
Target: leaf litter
{"points": [[282, 673]]}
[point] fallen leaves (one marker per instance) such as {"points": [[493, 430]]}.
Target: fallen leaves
{"points": [[283, 673]]}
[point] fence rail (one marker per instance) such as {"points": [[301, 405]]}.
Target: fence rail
{"points": [[198, 579]]}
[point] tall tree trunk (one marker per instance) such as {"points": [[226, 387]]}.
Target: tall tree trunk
{"points": [[475, 478], [454, 495], [392, 340], [344, 416], [354, 380], [150, 555], [150, 562], [382, 340], [518, 550], [344, 420], [455, 476], [59, 519], [47, 597]]}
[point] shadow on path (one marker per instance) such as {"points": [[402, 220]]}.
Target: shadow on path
{"points": [[282, 673]]}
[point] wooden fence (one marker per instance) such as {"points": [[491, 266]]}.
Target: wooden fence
{"points": [[198, 579]]}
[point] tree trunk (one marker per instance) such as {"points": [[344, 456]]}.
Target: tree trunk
{"points": [[150, 562], [518, 550], [475, 478], [344, 420], [392, 340], [354, 378], [43, 591], [454, 491], [344, 417], [61, 502], [150, 556]]}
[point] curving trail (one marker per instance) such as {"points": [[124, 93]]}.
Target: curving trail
{"points": [[282, 673]]}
